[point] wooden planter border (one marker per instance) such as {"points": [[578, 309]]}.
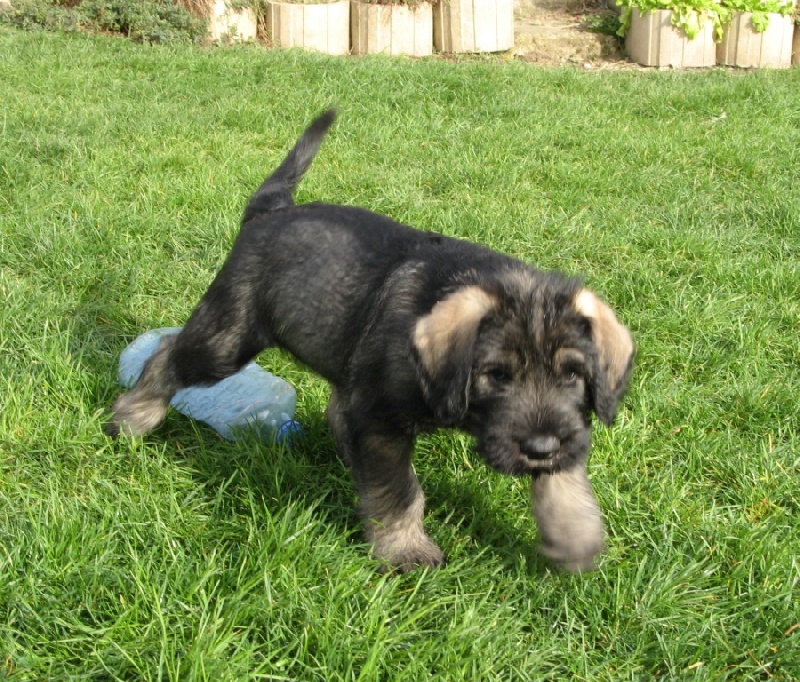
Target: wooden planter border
{"points": [[391, 29], [743, 46], [473, 25], [321, 27], [652, 40]]}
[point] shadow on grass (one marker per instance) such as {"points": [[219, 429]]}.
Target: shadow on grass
{"points": [[465, 520], [476, 520]]}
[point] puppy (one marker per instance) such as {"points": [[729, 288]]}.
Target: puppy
{"points": [[414, 331]]}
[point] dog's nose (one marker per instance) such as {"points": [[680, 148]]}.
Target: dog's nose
{"points": [[540, 447]]}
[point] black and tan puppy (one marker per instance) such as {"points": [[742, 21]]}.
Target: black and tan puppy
{"points": [[414, 331]]}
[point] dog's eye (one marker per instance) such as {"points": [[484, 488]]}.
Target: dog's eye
{"points": [[499, 375]]}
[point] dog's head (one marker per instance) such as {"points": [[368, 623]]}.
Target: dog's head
{"points": [[521, 363]]}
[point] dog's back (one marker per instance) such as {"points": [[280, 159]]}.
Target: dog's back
{"points": [[323, 262]]}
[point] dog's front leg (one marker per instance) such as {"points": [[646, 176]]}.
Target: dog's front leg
{"points": [[568, 517], [391, 500]]}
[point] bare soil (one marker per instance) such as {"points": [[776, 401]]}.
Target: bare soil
{"points": [[558, 32]]}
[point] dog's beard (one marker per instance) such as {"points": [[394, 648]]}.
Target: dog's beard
{"points": [[500, 444]]}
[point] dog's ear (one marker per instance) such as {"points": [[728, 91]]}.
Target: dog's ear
{"points": [[615, 351], [443, 348]]}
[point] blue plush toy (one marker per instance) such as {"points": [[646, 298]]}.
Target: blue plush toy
{"points": [[250, 399]]}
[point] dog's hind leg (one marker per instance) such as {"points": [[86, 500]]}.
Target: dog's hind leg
{"points": [[220, 337], [391, 500], [145, 406]]}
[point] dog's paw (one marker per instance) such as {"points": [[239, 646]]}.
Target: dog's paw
{"points": [[111, 428], [134, 415], [421, 553], [577, 556], [432, 557]]}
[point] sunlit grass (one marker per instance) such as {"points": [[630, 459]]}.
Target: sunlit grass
{"points": [[123, 172]]}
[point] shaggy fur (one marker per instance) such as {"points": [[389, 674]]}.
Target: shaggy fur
{"points": [[414, 331]]}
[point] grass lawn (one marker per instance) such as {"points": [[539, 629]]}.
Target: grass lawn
{"points": [[180, 556]]}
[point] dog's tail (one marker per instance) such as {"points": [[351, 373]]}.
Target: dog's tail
{"points": [[276, 191]]}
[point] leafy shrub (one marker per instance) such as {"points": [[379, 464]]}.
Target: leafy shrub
{"points": [[688, 16], [761, 10], [606, 23], [42, 14], [152, 21]]}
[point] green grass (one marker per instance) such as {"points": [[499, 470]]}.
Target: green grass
{"points": [[123, 171]]}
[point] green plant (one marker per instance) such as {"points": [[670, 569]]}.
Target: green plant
{"points": [[607, 23], [43, 14], [687, 15], [308, 2], [409, 3], [760, 9], [151, 21]]}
